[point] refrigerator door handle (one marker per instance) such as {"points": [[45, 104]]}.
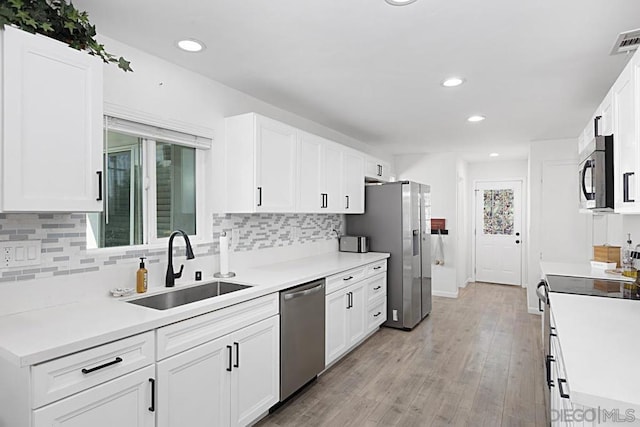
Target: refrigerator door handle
{"points": [[416, 242]]}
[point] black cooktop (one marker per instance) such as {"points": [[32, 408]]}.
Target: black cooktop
{"points": [[594, 287]]}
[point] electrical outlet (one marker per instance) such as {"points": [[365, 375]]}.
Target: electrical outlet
{"points": [[20, 253], [395, 315]]}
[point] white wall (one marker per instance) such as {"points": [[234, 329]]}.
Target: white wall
{"points": [[495, 170], [557, 231], [441, 172]]}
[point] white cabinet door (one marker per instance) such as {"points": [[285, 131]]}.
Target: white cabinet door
{"points": [[123, 402], [255, 379], [626, 144], [606, 113], [310, 173], [337, 340], [377, 169], [357, 313], [276, 145], [52, 126], [353, 183], [333, 178], [193, 386]]}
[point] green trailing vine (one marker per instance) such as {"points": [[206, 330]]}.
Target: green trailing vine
{"points": [[59, 20]]}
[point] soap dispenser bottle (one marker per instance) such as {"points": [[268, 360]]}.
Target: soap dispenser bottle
{"points": [[141, 278]]}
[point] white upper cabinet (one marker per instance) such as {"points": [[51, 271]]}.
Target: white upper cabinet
{"points": [[51, 138], [625, 99], [272, 167], [353, 190], [377, 170], [260, 157]]}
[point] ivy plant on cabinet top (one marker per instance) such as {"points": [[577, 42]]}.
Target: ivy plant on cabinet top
{"points": [[59, 20]]}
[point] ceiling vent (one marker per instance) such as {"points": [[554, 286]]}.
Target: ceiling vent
{"points": [[627, 41]]}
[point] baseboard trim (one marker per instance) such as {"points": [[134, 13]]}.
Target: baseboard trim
{"points": [[445, 294], [534, 310], [466, 282]]}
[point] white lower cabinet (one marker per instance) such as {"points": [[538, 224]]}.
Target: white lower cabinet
{"points": [[355, 310], [228, 381], [127, 401]]}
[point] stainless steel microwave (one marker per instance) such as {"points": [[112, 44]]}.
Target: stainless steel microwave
{"points": [[595, 175]]}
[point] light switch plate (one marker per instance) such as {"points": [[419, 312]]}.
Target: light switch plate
{"points": [[22, 253]]}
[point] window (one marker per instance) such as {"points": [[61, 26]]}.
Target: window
{"points": [[150, 186]]}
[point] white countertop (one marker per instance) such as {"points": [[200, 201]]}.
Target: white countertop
{"points": [[600, 348], [32, 337], [579, 270]]}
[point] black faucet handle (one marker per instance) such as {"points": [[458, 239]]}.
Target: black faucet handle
{"points": [[179, 273]]}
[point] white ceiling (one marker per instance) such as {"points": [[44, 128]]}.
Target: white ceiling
{"points": [[536, 68]]}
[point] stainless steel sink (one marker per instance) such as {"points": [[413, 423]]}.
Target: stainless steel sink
{"points": [[187, 295]]}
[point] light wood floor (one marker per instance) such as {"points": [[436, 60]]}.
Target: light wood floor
{"points": [[474, 361]]}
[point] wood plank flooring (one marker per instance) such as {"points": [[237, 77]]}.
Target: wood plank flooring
{"points": [[474, 361]]}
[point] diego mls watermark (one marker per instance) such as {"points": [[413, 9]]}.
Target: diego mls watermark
{"points": [[594, 415]]}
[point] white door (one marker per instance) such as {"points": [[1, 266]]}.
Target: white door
{"points": [[336, 325], [193, 386], [123, 402], [276, 145], [255, 379], [498, 232]]}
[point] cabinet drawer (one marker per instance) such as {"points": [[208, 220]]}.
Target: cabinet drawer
{"points": [[376, 287], [346, 278], [181, 336], [377, 315], [79, 371], [375, 268]]}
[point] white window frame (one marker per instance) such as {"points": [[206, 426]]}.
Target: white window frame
{"points": [[148, 138]]}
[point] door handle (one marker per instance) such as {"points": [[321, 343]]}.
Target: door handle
{"points": [[625, 187], [237, 346], [99, 198]]}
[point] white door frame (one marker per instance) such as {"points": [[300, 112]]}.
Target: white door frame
{"points": [[524, 233]]}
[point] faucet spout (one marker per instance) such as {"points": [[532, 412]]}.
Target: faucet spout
{"points": [[170, 279]]}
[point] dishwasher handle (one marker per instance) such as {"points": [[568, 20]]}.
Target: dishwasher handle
{"points": [[304, 292]]}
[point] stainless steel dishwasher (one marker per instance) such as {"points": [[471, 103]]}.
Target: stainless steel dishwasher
{"points": [[301, 336]]}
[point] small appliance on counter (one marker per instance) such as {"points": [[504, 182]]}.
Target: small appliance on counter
{"points": [[359, 244]]}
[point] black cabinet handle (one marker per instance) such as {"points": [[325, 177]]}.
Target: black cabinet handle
{"points": [[99, 198], [596, 120], [560, 389], [113, 362], [348, 278], [259, 196], [237, 346], [348, 301], [517, 241], [229, 368], [377, 287], [377, 314], [548, 366], [377, 268], [552, 331], [152, 408], [351, 299], [347, 202], [625, 187]]}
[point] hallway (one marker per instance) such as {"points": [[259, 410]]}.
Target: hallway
{"points": [[475, 360]]}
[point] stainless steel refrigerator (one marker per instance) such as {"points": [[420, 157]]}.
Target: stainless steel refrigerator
{"points": [[397, 220]]}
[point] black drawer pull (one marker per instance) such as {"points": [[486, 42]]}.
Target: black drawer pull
{"points": [[548, 369], [152, 408], [377, 268], [230, 357], [348, 278], [560, 389], [113, 362], [377, 314], [237, 346], [552, 331], [377, 287]]}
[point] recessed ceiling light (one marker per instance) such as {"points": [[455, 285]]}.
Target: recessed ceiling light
{"points": [[494, 154], [191, 45], [474, 119], [452, 82], [400, 2]]}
